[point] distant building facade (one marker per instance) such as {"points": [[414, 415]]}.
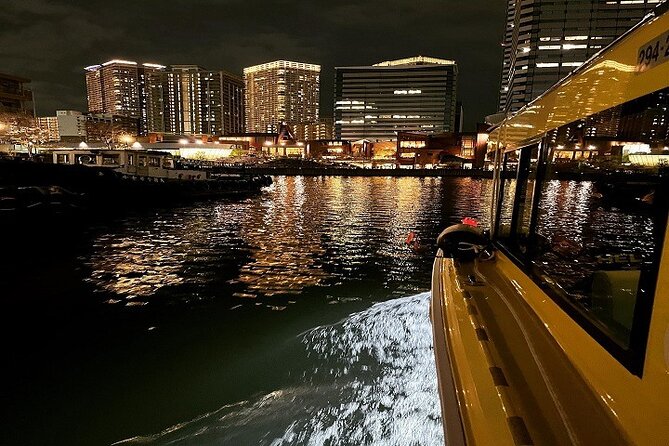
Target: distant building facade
{"points": [[71, 125], [376, 102], [232, 101], [15, 96], [179, 99], [119, 87], [546, 40], [110, 128], [321, 130], [49, 128], [281, 91], [189, 99]]}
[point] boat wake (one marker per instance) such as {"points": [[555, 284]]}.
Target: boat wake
{"points": [[371, 380]]}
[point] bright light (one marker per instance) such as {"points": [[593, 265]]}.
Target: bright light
{"points": [[137, 145], [83, 145], [629, 149], [183, 141], [198, 141]]}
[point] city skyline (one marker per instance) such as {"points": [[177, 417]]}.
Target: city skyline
{"points": [[326, 34]]}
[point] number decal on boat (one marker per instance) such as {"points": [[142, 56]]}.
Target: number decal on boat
{"points": [[653, 53]]}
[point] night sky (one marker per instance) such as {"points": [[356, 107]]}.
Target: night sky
{"points": [[51, 41]]}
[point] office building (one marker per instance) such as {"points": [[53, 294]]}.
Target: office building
{"points": [[281, 91], [406, 95], [119, 87], [15, 97], [546, 40]]}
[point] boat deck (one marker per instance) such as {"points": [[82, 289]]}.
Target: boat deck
{"points": [[514, 380]]}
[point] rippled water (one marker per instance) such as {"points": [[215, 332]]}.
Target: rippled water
{"points": [[282, 318]]}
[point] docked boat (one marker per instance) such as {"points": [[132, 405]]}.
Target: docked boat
{"points": [[562, 337], [125, 176]]}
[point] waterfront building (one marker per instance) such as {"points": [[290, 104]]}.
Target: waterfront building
{"points": [[463, 149], [119, 87], [281, 91], [15, 97], [328, 149], [321, 130], [191, 100], [546, 40], [378, 101], [254, 140]]}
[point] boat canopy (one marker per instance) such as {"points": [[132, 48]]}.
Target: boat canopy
{"points": [[609, 78]]}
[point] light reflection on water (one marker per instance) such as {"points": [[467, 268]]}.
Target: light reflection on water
{"points": [[371, 380], [302, 232]]}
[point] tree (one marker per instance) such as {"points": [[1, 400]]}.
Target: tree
{"points": [[21, 128]]}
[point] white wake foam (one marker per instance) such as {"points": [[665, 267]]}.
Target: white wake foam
{"points": [[372, 382]]}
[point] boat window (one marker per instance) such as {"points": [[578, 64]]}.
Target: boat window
{"points": [[154, 161], [517, 199], [61, 158], [593, 237], [507, 193]]}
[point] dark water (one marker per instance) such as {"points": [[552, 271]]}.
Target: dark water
{"points": [[296, 317]]}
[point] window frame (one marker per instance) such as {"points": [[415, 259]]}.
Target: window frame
{"points": [[631, 357]]}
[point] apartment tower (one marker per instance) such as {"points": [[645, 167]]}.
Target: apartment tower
{"points": [[118, 87], [281, 91]]}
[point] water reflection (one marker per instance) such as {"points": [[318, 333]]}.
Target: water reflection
{"points": [[302, 232]]}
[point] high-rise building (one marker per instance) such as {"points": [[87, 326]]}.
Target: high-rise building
{"points": [[413, 94], [189, 99], [183, 99], [545, 40], [14, 96], [281, 91], [232, 101], [119, 87]]}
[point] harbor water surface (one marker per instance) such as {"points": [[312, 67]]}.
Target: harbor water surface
{"points": [[293, 317]]}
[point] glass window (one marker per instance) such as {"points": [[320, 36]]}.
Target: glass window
{"points": [[590, 216], [507, 192], [109, 160]]}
